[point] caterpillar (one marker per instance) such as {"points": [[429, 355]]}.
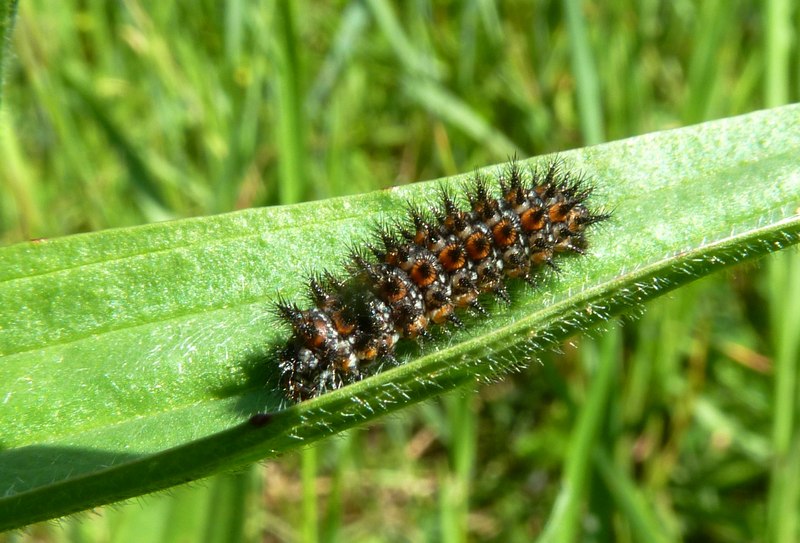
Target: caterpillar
{"points": [[422, 271]]}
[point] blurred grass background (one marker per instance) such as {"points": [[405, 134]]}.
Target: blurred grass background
{"points": [[121, 113]]}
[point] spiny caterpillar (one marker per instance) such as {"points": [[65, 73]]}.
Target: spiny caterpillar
{"points": [[419, 274]]}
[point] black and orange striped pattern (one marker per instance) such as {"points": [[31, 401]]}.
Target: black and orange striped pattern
{"points": [[413, 277]]}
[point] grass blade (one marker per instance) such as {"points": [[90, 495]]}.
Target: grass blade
{"points": [[8, 10]]}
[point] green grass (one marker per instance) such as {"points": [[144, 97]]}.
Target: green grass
{"points": [[121, 114]]}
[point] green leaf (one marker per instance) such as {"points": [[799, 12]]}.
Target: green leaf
{"points": [[133, 359]]}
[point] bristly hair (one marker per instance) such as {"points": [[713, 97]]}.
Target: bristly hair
{"points": [[416, 271]]}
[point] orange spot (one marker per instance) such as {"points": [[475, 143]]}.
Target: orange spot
{"points": [[415, 328], [558, 212], [422, 273], [477, 246], [394, 292], [318, 336], [452, 258], [532, 220], [542, 257], [504, 233], [369, 353], [513, 196], [342, 326], [391, 258], [440, 314]]}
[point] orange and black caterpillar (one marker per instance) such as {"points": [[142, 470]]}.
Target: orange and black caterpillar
{"points": [[418, 274]]}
